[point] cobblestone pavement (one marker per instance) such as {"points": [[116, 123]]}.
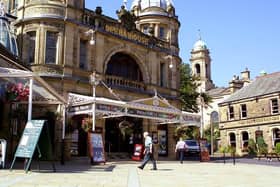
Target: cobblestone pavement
{"points": [[126, 173]]}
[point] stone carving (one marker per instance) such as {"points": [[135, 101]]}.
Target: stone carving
{"points": [[127, 18]]}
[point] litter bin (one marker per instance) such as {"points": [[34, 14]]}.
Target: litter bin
{"points": [[3, 146]]}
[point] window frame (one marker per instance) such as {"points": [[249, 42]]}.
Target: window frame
{"points": [[29, 61], [84, 65], [243, 114], [274, 109], [230, 114], [51, 47]]}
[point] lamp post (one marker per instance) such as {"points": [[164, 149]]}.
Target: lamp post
{"points": [[201, 119], [94, 80], [214, 119]]}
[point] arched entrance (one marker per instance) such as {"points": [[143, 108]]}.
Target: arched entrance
{"points": [[123, 71], [123, 65]]}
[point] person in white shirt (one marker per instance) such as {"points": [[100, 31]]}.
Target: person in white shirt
{"points": [[148, 152], [181, 146]]}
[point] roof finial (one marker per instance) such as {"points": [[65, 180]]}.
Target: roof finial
{"points": [[199, 34]]}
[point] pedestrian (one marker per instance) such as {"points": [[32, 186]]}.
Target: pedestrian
{"points": [[148, 152], [181, 147]]}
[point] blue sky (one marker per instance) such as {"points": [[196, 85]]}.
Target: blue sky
{"points": [[239, 33]]}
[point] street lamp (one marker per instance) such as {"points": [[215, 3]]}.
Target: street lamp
{"points": [[94, 80], [91, 32], [171, 60]]}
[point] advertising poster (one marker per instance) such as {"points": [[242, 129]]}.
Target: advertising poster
{"points": [[162, 141]]}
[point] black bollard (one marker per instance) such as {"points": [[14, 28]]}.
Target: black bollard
{"points": [[224, 157]]}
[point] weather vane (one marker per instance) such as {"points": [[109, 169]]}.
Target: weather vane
{"points": [[199, 34]]}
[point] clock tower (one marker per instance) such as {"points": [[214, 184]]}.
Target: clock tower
{"points": [[201, 65]]}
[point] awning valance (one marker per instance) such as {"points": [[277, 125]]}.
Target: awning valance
{"points": [[154, 108]]}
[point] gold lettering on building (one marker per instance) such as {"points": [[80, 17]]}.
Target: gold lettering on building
{"points": [[268, 119], [124, 33]]}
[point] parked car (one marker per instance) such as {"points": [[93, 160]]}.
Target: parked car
{"points": [[193, 147]]}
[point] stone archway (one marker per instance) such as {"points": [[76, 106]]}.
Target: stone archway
{"points": [[123, 65], [133, 55]]}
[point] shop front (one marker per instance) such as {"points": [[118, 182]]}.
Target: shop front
{"points": [[123, 123]]}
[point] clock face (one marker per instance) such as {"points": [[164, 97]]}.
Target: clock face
{"points": [[155, 102]]}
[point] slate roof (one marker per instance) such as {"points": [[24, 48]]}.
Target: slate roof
{"points": [[217, 92], [263, 85]]}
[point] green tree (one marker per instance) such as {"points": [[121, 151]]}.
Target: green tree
{"points": [[189, 97], [277, 148], [261, 145], [252, 148], [188, 90]]}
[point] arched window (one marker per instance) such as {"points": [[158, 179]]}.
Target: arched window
{"points": [[245, 139], [122, 65], [197, 69], [232, 139]]}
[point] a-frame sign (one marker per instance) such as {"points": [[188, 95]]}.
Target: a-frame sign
{"points": [[29, 141]]}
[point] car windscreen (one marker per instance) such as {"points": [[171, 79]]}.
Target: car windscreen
{"points": [[191, 143]]}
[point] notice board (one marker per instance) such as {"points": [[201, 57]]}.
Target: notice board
{"points": [[29, 139], [96, 147]]}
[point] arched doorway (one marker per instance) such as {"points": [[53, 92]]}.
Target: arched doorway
{"points": [[232, 139]]}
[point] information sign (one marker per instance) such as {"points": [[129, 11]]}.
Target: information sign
{"points": [[29, 139]]}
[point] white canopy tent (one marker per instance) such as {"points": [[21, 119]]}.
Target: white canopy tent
{"points": [[155, 108], [39, 91]]}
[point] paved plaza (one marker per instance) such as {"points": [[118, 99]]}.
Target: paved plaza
{"points": [[126, 173]]}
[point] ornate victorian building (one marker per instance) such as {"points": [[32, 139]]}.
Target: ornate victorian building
{"points": [[135, 55]]}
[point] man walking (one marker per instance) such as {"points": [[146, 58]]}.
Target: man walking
{"points": [[148, 152], [181, 146]]}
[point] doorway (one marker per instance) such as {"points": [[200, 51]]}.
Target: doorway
{"points": [[118, 132]]}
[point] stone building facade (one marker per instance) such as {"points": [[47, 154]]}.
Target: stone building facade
{"points": [[135, 55], [201, 66], [251, 112]]}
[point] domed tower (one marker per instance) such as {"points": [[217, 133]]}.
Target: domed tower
{"points": [[201, 65], [157, 18]]}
